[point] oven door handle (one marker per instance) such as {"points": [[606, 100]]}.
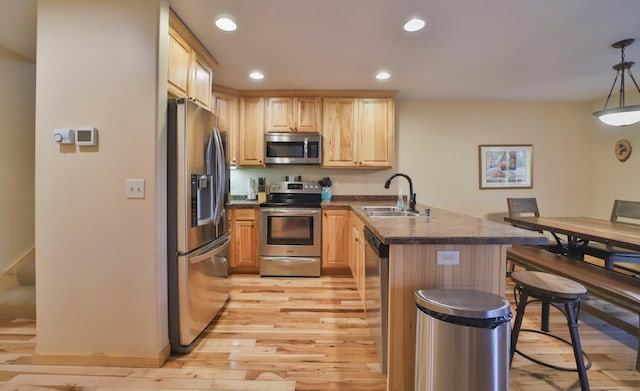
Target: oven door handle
{"points": [[290, 260], [289, 212]]}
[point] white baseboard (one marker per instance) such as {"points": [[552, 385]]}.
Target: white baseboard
{"points": [[103, 359]]}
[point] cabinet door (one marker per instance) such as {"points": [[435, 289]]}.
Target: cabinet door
{"points": [[360, 264], [308, 116], [357, 254], [251, 132], [375, 132], [338, 133], [201, 83], [178, 67], [335, 241], [280, 115], [358, 250], [353, 254], [226, 109], [244, 241]]}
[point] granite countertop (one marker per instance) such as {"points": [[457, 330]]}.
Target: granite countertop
{"points": [[242, 201], [443, 227]]}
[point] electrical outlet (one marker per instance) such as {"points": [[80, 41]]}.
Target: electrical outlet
{"points": [[135, 188], [448, 257]]}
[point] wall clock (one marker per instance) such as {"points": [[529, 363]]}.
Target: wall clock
{"points": [[623, 150]]}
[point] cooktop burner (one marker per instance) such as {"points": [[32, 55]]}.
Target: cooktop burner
{"points": [[294, 195]]}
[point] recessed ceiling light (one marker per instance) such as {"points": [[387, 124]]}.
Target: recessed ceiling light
{"points": [[226, 24], [414, 24], [256, 75], [383, 75]]}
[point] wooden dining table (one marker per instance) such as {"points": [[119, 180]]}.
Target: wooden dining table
{"points": [[582, 230]]}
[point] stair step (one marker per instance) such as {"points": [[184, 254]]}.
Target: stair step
{"points": [[18, 302]]}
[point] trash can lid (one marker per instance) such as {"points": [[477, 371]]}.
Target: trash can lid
{"points": [[463, 303]]}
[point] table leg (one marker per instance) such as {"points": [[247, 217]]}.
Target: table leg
{"points": [[575, 247]]}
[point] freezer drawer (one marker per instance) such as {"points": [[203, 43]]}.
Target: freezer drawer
{"points": [[290, 266], [202, 290]]}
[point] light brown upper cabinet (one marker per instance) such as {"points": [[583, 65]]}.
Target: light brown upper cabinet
{"points": [[251, 131], [190, 67], [225, 107], [294, 114], [358, 132]]}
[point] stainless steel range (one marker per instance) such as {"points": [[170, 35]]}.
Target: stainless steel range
{"points": [[291, 230]]}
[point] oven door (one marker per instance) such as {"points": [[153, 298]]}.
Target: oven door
{"points": [[292, 232]]}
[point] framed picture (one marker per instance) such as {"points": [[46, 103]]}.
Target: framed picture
{"points": [[506, 166]]}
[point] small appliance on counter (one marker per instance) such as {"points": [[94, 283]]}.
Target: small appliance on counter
{"points": [[251, 189], [262, 190]]}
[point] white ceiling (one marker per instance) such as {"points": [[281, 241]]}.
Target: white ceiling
{"points": [[470, 49]]}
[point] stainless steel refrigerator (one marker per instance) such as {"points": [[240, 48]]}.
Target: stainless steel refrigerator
{"points": [[198, 235]]}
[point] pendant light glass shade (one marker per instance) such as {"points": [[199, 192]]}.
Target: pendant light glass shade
{"points": [[621, 115]]}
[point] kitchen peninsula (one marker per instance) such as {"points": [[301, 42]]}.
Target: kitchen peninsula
{"points": [[414, 243]]}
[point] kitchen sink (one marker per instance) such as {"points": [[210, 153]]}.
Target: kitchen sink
{"points": [[387, 211]]}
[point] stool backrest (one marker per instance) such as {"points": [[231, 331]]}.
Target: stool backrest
{"points": [[627, 210]]}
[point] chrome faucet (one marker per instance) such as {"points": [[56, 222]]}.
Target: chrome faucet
{"points": [[412, 195]]}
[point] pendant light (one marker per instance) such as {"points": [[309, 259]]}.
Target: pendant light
{"points": [[621, 115]]}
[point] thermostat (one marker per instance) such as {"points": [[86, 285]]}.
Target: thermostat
{"points": [[86, 136], [63, 136]]}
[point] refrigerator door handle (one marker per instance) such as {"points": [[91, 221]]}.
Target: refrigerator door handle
{"points": [[208, 159], [220, 245], [220, 178]]}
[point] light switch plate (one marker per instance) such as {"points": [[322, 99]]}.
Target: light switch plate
{"points": [[135, 188], [448, 257]]}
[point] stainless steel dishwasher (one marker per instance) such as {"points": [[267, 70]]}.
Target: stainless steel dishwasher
{"points": [[377, 293]]}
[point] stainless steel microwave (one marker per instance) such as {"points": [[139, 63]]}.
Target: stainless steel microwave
{"points": [[293, 148]]}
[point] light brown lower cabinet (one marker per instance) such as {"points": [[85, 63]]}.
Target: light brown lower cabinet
{"points": [[357, 254], [335, 241], [243, 252]]}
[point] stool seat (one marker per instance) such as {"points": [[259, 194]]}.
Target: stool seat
{"points": [[555, 290], [549, 285]]}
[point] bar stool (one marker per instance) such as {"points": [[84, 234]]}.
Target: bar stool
{"points": [[557, 291]]}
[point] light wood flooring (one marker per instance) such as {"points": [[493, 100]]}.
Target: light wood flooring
{"points": [[306, 334]]}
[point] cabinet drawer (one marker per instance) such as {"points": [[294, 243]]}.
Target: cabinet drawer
{"points": [[244, 214]]}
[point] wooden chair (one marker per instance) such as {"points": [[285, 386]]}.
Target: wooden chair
{"points": [[623, 211], [523, 207]]}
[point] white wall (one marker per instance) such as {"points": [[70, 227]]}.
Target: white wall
{"points": [[612, 179], [17, 159], [101, 271], [439, 142]]}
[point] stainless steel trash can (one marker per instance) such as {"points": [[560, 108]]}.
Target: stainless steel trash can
{"points": [[462, 340]]}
